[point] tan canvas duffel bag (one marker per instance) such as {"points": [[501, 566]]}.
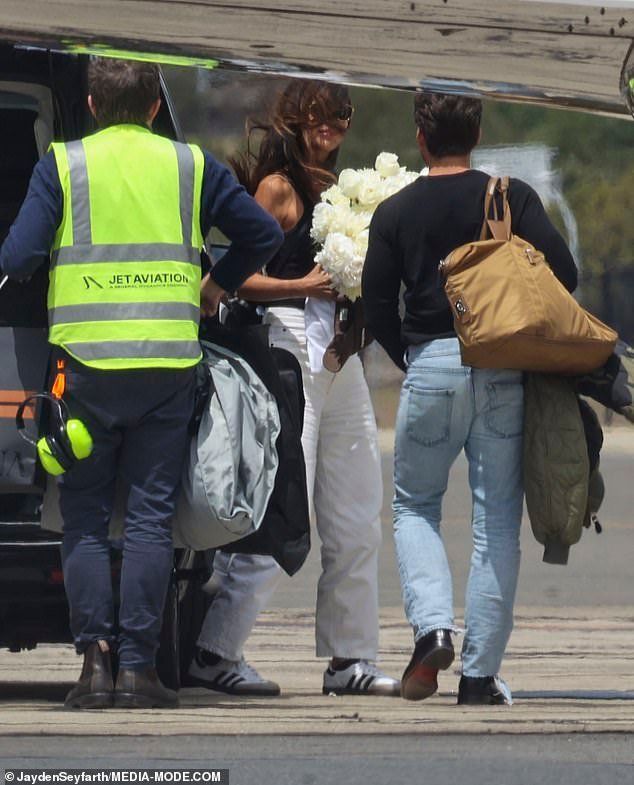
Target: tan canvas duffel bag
{"points": [[510, 310]]}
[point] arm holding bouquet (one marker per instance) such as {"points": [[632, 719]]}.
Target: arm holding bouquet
{"points": [[278, 197], [316, 283]]}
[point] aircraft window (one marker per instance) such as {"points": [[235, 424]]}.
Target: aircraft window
{"points": [[20, 304], [17, 101], [18, 156]]}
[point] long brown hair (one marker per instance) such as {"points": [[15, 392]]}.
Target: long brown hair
{"points": [[283, 147]]}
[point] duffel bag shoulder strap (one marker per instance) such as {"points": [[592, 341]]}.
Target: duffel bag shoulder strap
{"points": [[492, 225]]}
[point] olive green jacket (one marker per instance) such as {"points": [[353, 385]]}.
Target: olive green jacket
{"points": [[561, 493]]}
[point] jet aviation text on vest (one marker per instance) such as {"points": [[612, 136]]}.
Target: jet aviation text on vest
{"points": [[147, 279]]}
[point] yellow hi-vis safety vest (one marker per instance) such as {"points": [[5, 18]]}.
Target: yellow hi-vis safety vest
{"points": [[125, 265]]}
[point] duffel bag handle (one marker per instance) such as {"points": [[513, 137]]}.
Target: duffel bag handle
{"points": [[494, 227]]}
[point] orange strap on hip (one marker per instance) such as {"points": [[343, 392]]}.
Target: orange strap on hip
{"points": [[59, 385]]}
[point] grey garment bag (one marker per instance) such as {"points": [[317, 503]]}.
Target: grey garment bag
{"points": [[230, 472]]}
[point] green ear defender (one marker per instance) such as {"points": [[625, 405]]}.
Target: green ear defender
{"points": [[68, 439]]}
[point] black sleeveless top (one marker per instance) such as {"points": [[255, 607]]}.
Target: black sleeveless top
{"points": [[296, 256]]}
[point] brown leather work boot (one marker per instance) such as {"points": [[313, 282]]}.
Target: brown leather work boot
{"points": [[95, 689], [142, 690]]}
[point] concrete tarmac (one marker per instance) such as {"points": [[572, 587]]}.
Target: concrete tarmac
{"points": [[569, 664], [570, 671], [570, 661]]}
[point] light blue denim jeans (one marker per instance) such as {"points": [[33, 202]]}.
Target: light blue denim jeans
{"points": [[445, 407]]}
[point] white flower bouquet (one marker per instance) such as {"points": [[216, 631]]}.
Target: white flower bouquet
{"points": [[341, 219]]}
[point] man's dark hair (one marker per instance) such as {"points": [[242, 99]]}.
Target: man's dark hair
{"points": [[122, 91], [449, 123]]}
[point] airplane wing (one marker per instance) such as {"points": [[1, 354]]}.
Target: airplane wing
{"points": [[566, 53]]}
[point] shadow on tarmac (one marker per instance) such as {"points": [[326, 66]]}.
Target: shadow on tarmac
{"points": [[55, 692]]}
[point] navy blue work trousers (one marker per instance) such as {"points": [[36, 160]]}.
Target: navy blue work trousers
{"points": [[138, 421]]}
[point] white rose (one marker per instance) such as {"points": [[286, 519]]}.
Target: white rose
{"points": [[349, 181], [386, 164], [392, 185], [334, 195], [395, 183], [371, 189]]}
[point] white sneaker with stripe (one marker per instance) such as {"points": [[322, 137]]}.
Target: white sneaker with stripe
{"points": [[360, 678], [233, 678]]}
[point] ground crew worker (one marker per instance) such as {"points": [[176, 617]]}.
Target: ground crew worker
{"points": [[123, 214]]}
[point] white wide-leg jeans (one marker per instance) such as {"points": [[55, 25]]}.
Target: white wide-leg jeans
{"points": [[343, 470]]}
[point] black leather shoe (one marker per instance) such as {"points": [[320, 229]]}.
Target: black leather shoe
{"points": [[142, 690], [432, 653], [482, 691], [94, 690]]}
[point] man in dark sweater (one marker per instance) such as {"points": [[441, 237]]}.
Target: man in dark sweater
{"points": [[446, 407]]}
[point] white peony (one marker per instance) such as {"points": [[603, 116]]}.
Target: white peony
{"points": [[361, 243], [342, 218], [329, 219], [358, 221], [322, 221], [338, 249]]}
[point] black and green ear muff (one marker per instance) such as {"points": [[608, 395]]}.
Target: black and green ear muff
{"points": [[67, 441]]}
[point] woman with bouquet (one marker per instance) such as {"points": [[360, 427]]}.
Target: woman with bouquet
{"points": [[295, 163]]}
